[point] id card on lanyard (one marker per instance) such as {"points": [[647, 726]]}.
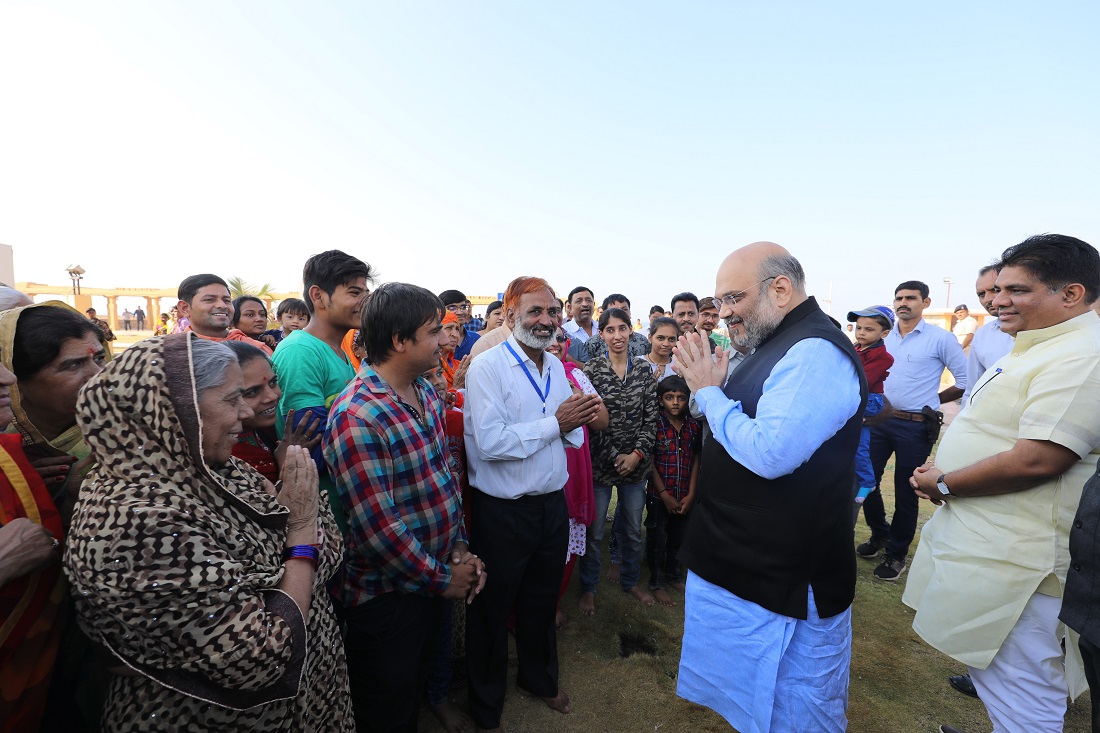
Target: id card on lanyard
{"points": [[542, 393]]}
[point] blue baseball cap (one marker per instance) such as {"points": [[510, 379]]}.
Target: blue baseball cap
{"points": [[872, 311]]}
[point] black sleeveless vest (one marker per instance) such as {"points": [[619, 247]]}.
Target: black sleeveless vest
{"points": [[765, 540]]}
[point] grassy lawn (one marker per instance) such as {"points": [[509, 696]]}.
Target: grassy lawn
{"points": [[898, 684]]}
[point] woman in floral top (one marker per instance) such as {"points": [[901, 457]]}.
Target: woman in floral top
{"points": [[622, 455]]}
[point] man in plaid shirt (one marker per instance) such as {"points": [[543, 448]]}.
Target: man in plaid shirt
{"points": [[406, 547]]}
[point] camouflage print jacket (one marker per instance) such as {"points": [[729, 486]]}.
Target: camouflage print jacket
{"points": [[632, 405]]}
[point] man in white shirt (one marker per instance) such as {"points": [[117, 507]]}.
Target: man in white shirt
{"points": [[582, 304], [520, 413], [965, 326]]}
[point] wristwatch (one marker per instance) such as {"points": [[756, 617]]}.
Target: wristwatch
{"points": [[941, 484]]}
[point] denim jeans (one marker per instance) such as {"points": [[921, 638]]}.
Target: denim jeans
{"points": [[632, 501], [865, 472]]}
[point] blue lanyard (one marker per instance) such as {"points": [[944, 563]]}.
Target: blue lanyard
{"points": [[542, 395]]}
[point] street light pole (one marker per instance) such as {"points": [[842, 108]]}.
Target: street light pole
{"points": [[947, 282], [76, 274]]}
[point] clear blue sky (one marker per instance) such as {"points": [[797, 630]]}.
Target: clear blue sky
{"points": [[626, 146]]}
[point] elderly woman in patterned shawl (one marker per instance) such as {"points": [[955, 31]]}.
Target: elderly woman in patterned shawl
{"points": [[205, 582]]}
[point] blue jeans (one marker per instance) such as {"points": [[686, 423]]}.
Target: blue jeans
{"points": [[632, 501], [864, 471]]}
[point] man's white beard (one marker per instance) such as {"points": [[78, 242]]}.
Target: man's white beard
{"points": [[528, 338], [760, 323]]}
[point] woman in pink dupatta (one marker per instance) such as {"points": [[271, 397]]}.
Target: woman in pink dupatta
{"points": [[578, 489]]}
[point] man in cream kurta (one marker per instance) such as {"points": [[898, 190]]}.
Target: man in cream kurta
{"points": [[988, 574]]}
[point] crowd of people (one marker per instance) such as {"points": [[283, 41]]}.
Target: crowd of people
{"points": [[298, 520]]}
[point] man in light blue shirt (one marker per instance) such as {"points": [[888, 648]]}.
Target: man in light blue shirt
{"points": [[990, 342], [921, 352], [767, 620]]}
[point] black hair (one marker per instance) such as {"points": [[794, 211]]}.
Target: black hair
{"points": [[1057, 260], [655, 309], [246, 352], [39, 335], [579, 289], [913, 285], [395, 309], [452, 296], [610, 313], [193, 284], [674, 383], [995, 267], [661, 322], [684, 297], [293, 306], [241, 300], [329, 270], [615, 298], [498, 304]]}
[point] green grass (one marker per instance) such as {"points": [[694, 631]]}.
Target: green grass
{"points": [[898, 683]]}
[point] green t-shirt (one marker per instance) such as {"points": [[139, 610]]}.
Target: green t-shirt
{"points": [[311, 375]]}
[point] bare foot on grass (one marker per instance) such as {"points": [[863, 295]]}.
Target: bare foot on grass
{"points": [[663, 597], [452, 718], [587, 604], [678, 586], [613, 572], [560, 620], [561, 703], [642, 595]]}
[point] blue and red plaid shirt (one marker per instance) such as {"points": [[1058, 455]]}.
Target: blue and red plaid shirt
{"points": [[391, 468], [674, 453]]}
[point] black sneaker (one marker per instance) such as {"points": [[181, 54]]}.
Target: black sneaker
{"points": [[890, 569], [871, 549]]}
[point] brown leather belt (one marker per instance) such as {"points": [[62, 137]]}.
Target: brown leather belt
{"points": [[905, 415]]}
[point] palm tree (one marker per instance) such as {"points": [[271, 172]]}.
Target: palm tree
{"points": [[238, 287]]}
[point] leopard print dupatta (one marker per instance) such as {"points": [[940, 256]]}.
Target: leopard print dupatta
{"points": [[174, 564]]}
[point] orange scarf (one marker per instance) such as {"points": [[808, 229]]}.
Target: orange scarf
{"points": [[448, 361]]}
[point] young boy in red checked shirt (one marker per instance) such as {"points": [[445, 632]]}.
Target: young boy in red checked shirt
{"points": [[671, 486]]}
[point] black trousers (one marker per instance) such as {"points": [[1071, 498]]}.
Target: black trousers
{"points": [[390, 640], [664, 535], [523, 544], [908, 442], [1090, 653]]}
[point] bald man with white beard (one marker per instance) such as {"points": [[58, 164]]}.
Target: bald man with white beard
{"points": [[767, 624]]}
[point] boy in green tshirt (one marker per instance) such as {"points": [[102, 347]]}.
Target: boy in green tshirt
{"points": [[311, 366]]}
